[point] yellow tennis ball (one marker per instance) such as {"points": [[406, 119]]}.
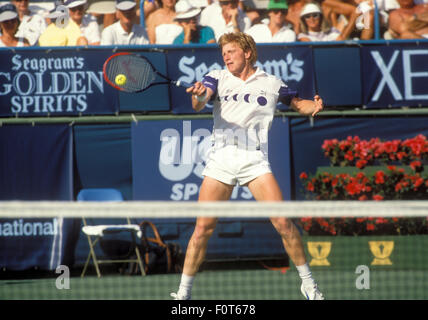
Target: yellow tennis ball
{"points": [[120, 79]]}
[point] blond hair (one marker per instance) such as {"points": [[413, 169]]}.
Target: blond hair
{"points": [[243, 40]]}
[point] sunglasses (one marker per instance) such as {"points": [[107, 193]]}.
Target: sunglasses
{"points": [[312, 15], [276, 11]]}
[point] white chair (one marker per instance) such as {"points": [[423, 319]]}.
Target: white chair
{"points": [[95, 233]]}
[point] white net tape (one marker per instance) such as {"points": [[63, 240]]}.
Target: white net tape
{"points": [[170, 209]]}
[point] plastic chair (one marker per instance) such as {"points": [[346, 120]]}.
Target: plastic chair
{"points": [[96, 232]]}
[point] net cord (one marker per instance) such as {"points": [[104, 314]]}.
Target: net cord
{"points": [[235, 209]]}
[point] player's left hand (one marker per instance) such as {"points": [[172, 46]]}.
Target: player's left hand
{"points": [[319, 106]]}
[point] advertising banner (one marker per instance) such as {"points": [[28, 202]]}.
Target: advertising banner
{"points": [[55, 83], [293, 65], [395, 76], [37, 164]]}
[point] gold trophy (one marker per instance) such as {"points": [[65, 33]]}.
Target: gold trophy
{"points": [[319, 250], [381, 251]]}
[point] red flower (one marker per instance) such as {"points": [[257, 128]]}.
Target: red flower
{"points": [[354, 188], [303, 176], [361, 164], [370, 227], [310, 187], [398, 187], [377, 197], [380, 177], [381, 221], [415, 165]]}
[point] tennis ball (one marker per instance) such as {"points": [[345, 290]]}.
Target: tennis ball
{"points": [[120, 79]]}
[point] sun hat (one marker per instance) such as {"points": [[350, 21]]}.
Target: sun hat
{"points": [[185, 10], [8, 12], [124, 5], [310, 8], [74, 3], [102, 7]]}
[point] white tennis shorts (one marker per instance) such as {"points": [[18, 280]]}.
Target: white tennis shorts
{"points": [[231, 164]]}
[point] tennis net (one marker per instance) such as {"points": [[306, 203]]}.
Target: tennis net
{"points": [[355, 249]]}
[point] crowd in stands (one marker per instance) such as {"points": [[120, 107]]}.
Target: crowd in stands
{"points": [[118, 22]]}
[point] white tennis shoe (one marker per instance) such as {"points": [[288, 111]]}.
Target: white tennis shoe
{"points": [[177, 296], [311, 292]]}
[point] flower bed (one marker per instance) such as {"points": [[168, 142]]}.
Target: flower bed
{"points": [[391, 181]]}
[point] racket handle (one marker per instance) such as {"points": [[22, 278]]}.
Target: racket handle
{"points": [[182, 84]]}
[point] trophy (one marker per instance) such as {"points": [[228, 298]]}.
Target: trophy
{"points": [[319, 250], [381, 251]]}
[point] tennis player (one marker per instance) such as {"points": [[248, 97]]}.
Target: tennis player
{"points": [[245, 101]]}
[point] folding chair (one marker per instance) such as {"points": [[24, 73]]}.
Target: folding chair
{"points": [[96, 232]]}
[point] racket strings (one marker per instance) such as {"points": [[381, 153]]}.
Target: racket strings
{"points": [[138, 72]]}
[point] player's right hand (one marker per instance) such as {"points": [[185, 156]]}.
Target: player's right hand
{"points": [[197, 89]]}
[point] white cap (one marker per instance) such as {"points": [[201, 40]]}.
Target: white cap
{"points": [[74, 3], [310, 8], [124, 5], [185, 10], [8, 12]]}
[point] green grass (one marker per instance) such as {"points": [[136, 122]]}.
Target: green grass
{"points": [[224, 285]]}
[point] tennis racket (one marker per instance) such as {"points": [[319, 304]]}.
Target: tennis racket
{"points": [[129, 72]]}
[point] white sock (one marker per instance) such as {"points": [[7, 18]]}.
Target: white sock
{"points": [[185, 285], [305, 274]]}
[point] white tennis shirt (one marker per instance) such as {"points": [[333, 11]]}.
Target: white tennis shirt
{"points": [[115, 34], [261, 33], [240, 107]]}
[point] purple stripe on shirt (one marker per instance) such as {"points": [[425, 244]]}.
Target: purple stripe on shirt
{"points": [[210, 82]]}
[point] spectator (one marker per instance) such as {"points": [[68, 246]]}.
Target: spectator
{"points": [[31, 24], [338, 13], [187, 16], [295, 7], [9, 25], [254, 9], [224, 17], [277, 29], [149, 7], [410, 21], [314, 27], [161, 26], [89, 29], [55, 35], [125, 31]]}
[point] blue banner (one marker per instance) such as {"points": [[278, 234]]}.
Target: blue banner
{"points": [[395, 76], [37, 243], [168, 158], [55, 83], [37, 164], [293, 65]]}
